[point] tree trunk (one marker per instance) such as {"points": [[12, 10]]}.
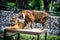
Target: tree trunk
{"points": [[46, 5]]}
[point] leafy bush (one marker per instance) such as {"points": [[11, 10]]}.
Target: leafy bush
{"points": [[56, 9]]}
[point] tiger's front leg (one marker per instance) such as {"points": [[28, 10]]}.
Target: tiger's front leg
{"points": [[25, 25], [31, 25], [31, 22]]}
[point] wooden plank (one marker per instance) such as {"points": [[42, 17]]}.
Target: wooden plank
{"points": [[27, 31]]}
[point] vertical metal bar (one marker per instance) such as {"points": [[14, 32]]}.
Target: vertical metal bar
{"points": [[46, 35], [37, 36], [4, 35], [18, 36], [50, 23]]}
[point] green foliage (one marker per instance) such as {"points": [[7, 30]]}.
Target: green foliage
{"points": [[10, 5], [56, 9], [34, 5]]}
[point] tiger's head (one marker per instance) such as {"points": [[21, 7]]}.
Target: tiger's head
{"points": [[13, 21]]}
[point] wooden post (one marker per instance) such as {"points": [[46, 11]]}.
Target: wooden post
{"points": [[4, 35], [37, 36], [46, 35], [18, 36]]}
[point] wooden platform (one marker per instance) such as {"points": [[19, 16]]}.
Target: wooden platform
{"points": [[33, 31]]}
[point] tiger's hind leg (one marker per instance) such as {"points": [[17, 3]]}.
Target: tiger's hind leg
{"points": [[43, 22], [43, 26]]}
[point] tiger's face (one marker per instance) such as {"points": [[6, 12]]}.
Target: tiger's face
{"points": [[22, 14], [13, 21]]}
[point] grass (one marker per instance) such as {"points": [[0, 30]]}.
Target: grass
{"points": [[34, 37], [30, 37]]}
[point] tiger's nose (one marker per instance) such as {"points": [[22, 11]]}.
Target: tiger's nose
{"points": [[21, 16]]}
